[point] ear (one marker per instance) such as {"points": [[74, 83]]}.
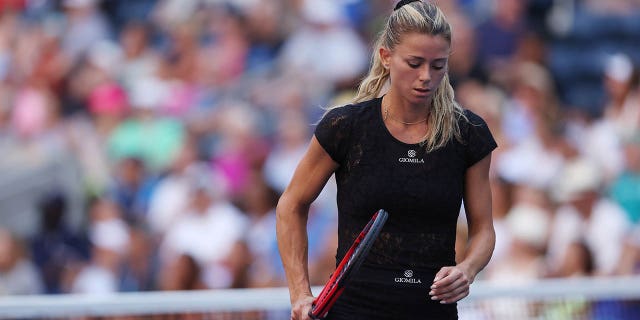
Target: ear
{"points": [[385, 56]]}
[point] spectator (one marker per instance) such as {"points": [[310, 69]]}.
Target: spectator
{"points": [[18, 274], [35, 115], [630, 258], [110, 240], [518, 250], [109, 105], [140, 61], [240, 148], [533, 130], [169, 198], [222, 61], [260, 202], [140, 265], [324, 48], [211, 231], [130, 138], [182, 273], [622, 85], [85, 26], [131, 190], [586, 215], [55, 246], [464, 61], [625, 189], [266, 24], [523, 262], [292, 136], [578, 261], [498, 36]]}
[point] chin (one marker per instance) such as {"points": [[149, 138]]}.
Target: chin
{"points": [[420, 99]]}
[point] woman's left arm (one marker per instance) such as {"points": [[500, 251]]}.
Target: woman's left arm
{"points": [[452, 283]]}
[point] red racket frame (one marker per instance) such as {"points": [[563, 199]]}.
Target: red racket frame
{"points": [[348, 265]]}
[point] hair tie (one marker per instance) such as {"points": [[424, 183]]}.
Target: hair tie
{"points": [[402, 3]]}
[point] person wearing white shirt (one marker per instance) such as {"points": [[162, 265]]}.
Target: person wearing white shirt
{"points": [[585, 216], [211, 231]]}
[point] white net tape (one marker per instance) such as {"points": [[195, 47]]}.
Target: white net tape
{"points": [[485, 296]]}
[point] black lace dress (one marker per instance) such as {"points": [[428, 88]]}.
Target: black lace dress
{"points": [[422, 193]]}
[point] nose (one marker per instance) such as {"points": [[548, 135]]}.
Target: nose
{"points": [[425, 74]]}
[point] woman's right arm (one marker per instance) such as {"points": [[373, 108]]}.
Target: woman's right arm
{"points": [[312, 173]]}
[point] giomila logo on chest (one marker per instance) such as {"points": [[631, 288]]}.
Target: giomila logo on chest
{"points": [[411, 157]]}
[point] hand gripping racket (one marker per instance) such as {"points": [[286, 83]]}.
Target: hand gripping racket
{"points": [[348, 265]]}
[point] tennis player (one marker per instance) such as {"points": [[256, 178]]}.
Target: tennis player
{"points": [[404, 145]]}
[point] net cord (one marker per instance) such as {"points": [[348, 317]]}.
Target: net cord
{"points": [[266, 299]]}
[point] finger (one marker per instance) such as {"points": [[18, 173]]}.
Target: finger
{"points": [[300, 313], [446, 281], [450, 294], [301, 307], [439, 294], [455, 298], [441, 274], [300, 316], [455, 286], [306, 313]]}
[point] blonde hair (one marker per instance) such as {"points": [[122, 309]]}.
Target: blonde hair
{"points": [[424, 18]]}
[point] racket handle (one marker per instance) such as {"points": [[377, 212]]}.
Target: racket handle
{"points": [[312, 316]]}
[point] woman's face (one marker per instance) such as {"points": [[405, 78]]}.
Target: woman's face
{"points": [[416, 66]]}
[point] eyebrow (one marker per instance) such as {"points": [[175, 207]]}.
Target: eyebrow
{"points": [[423, 59]]}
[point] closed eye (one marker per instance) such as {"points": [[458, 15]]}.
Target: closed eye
{"points": [[439, 64]]}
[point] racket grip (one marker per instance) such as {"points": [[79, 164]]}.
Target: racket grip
{"points": [[312, 316], [314, 310]]}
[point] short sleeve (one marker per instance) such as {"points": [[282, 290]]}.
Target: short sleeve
{"points": [[332, 132], [479, 141]]}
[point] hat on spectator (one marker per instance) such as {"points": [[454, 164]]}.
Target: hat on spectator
{"points": [[529, 224], [576, 178], [323, 12], [108, 99], [110, 234], [204, 178], [618, 67]]}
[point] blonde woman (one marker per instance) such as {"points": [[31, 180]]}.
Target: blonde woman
{"points": [[404, 145]]}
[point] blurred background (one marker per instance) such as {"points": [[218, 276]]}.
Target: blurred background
{"points": [[144, 143]]}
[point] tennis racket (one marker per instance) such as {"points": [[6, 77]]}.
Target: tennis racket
{"points": [[348, 265]]}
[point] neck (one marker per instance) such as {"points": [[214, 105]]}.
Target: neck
{"points": [[405, 115]]}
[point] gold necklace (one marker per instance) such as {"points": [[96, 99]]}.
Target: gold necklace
{"points": [[388, 116]]}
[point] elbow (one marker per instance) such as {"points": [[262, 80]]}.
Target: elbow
{"points": [[285, 202], [289, 207], [280, 207]]}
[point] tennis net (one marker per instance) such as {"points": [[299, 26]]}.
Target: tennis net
{"points": [[584, 298]]}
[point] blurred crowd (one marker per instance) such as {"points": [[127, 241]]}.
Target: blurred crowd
{"points": [[145, 143]]}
